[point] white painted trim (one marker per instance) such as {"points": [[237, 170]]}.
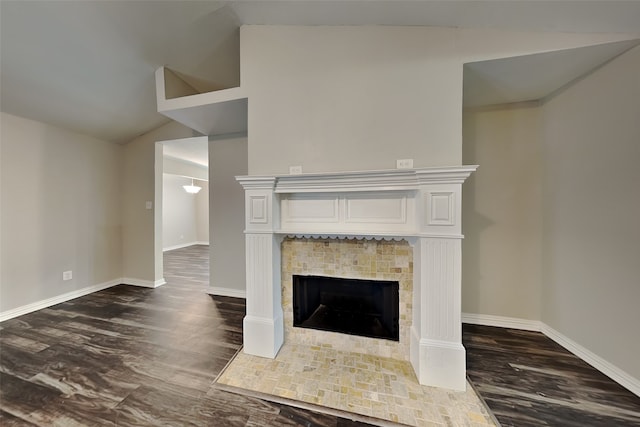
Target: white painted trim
{"points": [[389, 180], [143, 283], [616, 374], [39, 305], [183, 245], [263, 336], [502, 322], [387, 204], [226, 292]]}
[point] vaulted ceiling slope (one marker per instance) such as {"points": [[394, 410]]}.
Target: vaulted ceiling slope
{"points": [[88, 66]]}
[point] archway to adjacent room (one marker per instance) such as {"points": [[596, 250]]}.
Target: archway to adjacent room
{"points": [[223, 223], [182, 204]]}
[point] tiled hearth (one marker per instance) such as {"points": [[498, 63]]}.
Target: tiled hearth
{"points": [[372, 386], [400, 225], [361, 259]]}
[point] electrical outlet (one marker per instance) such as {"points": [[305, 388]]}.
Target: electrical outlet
{"points": [[294, 170], [404, 163], [67, 275], [148, 205]]}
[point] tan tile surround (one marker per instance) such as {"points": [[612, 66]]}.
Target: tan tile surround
{"points": [[362, 259]]}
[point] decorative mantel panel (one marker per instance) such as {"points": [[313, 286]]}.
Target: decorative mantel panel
{"points": [[422, 206]]}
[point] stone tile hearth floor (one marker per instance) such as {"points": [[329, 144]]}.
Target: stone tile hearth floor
{"points": [[363, 384]]}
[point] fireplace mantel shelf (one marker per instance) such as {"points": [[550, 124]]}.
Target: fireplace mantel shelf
{"points": [[377, 180]]}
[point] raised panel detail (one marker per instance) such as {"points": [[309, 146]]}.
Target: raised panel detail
{"points": [[441, 208], [381, 210], [258, 210], [310, 208]]}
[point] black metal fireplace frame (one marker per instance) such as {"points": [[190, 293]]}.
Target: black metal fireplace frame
{"points": [[363, 307]]}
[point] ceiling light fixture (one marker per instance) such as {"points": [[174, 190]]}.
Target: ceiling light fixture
{"points": [[193, 189]]}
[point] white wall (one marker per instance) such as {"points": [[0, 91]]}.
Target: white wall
{"points": [[591, 211], [357, 98], [185, 217], [501, 208], [551, 216], [227, 159], [179, 224], [61, 206]]}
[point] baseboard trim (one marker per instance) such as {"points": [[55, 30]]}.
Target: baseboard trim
{"points": [[180, 246], [184, 245], [502, 322], [226, 292], [39, 305], [143, 283], [616, 374]]}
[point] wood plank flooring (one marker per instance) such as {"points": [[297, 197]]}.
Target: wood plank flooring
{"points": [[130, 356], [527, 379]]}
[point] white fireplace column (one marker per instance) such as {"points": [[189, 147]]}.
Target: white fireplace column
{"points": [[263, 327], [437, 354]]}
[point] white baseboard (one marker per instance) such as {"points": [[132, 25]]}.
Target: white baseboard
{"points": [[180, 246], [502, 322], [143, 283], [226, 292], [183, 245], [618, 375], [39, 305]]}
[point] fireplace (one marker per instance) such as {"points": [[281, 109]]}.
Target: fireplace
{"points": [[367, 260], [344, 224], [367, 308]]}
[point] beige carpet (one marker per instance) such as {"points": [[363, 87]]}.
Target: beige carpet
{"points": [[367, 385]]}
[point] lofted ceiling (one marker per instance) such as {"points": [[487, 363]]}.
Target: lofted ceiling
{"points": [[88, 66], [534, 77]]}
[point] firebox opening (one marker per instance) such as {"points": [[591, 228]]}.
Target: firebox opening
{"points": [[368, 308]]}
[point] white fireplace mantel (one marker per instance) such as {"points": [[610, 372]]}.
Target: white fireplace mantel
{"points": [[422, 206]]}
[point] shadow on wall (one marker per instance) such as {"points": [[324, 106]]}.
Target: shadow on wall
{"points": [[473, 223]]}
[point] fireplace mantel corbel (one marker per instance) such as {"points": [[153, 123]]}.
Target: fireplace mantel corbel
{"points": [[422, 206]]}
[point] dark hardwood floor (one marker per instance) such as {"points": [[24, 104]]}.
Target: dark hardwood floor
{"points": [[527, 379], [130, 356]]}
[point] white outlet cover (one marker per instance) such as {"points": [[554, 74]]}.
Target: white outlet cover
{"points": [[294, 170], [404, 163]]}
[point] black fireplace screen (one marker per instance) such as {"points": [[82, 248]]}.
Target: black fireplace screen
{"points": [[368, 308]]}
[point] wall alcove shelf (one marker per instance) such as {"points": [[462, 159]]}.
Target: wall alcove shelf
{"points": [[220, 112]]}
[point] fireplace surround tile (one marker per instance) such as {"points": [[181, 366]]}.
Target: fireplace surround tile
{"points": [[351, 258]]}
